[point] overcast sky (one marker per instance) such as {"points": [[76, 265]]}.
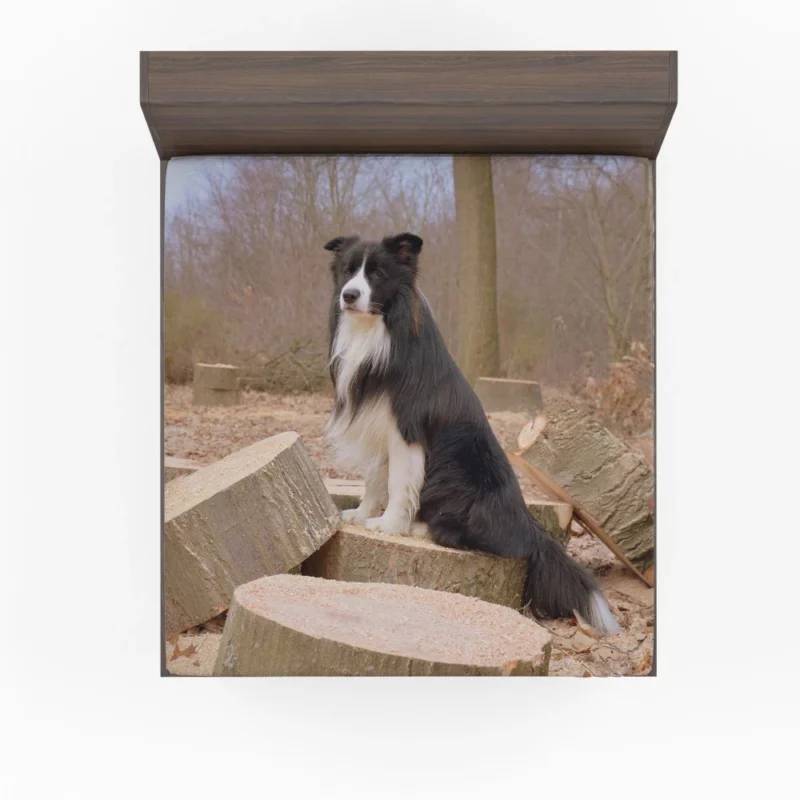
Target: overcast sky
{"points": [[186, 175]]}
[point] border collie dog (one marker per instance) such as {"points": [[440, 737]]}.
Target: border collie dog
{"points": [[406, 418]]}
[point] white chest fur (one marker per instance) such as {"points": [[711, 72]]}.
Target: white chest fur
{"points": [[360, 435], [367, 438], [359, 339]]}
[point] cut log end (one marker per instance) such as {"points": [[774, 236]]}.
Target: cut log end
{"points": [[261, 511], [289, 625]]}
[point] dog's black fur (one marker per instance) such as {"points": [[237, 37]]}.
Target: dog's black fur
{"points": [[470, 498]]}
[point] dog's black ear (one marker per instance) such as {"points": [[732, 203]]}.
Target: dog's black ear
{"points": [[405, 247], [339, 243]]}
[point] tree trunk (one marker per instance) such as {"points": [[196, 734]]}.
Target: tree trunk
{"points": [[479, 348]]}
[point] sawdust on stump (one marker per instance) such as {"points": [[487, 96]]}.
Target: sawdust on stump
{"points": [[295, 625]]}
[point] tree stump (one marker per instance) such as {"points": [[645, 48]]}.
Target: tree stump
{"points": [[175, 467], [299, 626], [358, 555], [262, 510], [607, 478], [215, 384], [552, 515], [504, 394]]}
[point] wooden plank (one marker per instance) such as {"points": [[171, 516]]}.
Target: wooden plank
{"points": [[490, 102]]}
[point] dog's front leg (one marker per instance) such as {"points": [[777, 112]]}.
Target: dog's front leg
{"points": [[406, 476], [375, 492]]}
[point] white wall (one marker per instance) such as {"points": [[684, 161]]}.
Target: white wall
{"points": [[85, 714]]}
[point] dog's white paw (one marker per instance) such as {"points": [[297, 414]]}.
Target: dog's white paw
{"points": [[351, 515], [386, 524]]}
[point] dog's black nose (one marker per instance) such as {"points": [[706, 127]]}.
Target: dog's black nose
{"points": [[351, 295]]}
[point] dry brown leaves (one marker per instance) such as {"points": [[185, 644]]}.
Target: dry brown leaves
{"points": [[624, 400], [185, 653], [643, 664], [210, 433]]}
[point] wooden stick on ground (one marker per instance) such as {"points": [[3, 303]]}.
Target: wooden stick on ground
{"points": [[527, 437]]}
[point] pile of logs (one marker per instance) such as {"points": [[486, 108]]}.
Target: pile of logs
{"points": [[258, 534]]}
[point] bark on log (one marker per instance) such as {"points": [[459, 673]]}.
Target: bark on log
{"points": [[202, 396], [175, 467], [505, 394], [262, 510], [300, 626], [600, 473], [358, 555]]}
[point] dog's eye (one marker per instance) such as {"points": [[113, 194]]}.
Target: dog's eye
{"points": [[374, 273]]}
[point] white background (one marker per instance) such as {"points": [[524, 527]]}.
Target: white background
{"points": [[84, 713]]}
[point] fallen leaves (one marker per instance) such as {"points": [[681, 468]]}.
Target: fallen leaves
{"points": [[643, 664], [208, 433], [581, 643], [624, 400], [209, 436], [185, 653]]}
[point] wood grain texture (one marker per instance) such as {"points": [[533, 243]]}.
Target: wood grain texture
{"points": [[294, 626], [455, 102], [262, 510], [357, 555]]}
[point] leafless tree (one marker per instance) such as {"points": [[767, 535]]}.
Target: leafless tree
{"points": [[247, 281]]}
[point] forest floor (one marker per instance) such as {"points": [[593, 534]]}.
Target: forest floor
{"points": [[207, 433]]}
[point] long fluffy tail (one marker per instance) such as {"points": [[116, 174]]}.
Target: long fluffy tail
{"points": [[558, 587]]}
